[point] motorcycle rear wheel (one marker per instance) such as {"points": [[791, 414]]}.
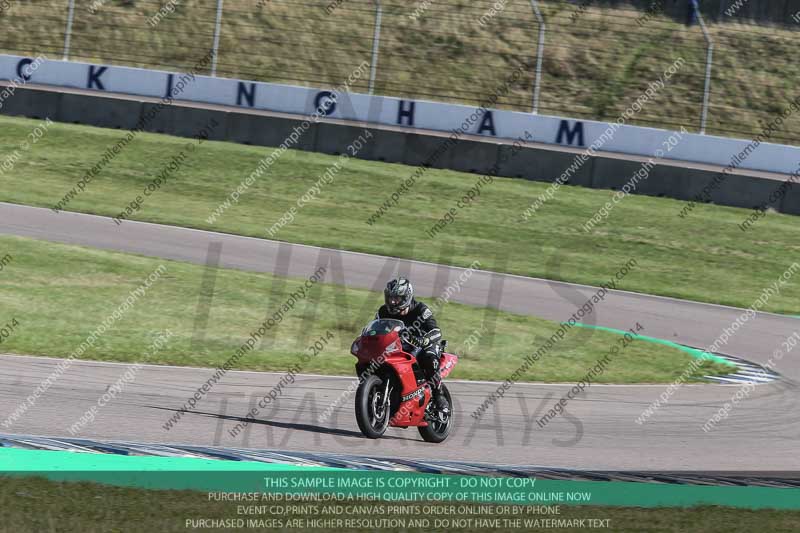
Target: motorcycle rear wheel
{"points": [[438, 430]]}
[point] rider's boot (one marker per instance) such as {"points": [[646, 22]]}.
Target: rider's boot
{"points": [[439, 401]]}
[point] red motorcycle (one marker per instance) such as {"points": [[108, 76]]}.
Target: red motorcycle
{"points": [[393, 390]]}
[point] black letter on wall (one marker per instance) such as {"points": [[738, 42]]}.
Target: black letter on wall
{"points": [[487, 124], [406, 112], [564, 131], [94, 77], [325, 103], [170, 77], [22, 64], [249, 96]]}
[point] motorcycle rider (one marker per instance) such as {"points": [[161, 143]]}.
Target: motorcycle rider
{"points": [[422, 331]]}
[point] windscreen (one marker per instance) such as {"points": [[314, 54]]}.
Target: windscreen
{"points": [[381, 326]]}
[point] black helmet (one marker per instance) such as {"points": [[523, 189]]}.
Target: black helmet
{"points": [[398, 295]]}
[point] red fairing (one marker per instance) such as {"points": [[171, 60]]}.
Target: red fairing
{"points": [[447, 363], [367, 349], [414, 397], [412, 411]]}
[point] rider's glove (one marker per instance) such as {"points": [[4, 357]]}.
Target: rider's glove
{"points": [[412, 339]]}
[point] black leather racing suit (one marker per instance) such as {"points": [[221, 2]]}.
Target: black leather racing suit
{"points": [[421, 324]]}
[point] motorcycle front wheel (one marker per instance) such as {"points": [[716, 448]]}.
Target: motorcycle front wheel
{"points": [[372, 408]]}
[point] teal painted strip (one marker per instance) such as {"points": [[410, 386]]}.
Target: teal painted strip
{"points": [[349, 485], [21, 460], [694, 352]]}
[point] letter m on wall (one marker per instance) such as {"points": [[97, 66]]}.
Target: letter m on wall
{"points": [[570, 133]]}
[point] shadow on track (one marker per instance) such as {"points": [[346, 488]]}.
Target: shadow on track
{"points": [[282, 425]]}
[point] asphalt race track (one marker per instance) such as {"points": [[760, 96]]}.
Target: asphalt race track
{"points": [[600, 431]]}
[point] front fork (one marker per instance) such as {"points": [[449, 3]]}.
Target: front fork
{"points": [[386, 392]]}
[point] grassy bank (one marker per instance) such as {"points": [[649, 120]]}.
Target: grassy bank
{"points": [[703, 257], [36, 504], [59, 295], [596, 59]]}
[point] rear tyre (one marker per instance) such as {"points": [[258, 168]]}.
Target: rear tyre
{"points": [[372, 409], [439, 425]]}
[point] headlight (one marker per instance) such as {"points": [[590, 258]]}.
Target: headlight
{"points": [[354, 348]]}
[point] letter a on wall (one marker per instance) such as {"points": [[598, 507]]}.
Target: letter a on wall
{"points": [[487, 124]]}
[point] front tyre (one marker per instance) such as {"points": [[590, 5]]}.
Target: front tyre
{"points": [[439, 424], [372, 408]]}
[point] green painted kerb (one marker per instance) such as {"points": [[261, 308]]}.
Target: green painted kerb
{"points": [[694, 352], [185, 473]]}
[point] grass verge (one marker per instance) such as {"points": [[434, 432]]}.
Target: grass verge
{"points": [[60, 294], [597, 58], [703, 257]]}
